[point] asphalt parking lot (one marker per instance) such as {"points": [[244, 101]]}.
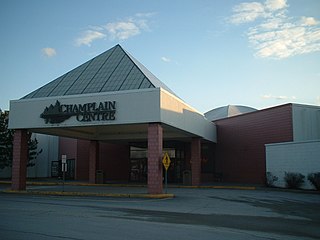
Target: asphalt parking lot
{"points": [[192, 214]]}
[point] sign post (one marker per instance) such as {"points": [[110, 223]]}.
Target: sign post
{"points": [[166, 163], [64, 169]]}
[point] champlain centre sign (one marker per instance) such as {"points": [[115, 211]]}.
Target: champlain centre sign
{"points": [[88, 112]]}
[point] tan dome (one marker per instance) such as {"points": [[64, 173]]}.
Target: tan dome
{"points": [[227, 111]]}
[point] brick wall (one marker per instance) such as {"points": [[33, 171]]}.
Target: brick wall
{"points": [[68, 146], [240, 151], [114, 161], [93, 160], [19, 161], [82, 160], [196, 161], [155, 144]]}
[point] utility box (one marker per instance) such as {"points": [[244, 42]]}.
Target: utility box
{"points": [[187, 178], [99, 177]]}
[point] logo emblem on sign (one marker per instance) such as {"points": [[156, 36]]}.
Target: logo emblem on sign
{"points": [[87, 112]]}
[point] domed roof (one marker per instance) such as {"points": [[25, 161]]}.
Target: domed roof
{"points": [[227, 111]]}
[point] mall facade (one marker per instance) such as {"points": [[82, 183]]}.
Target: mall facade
{"points": [[114, 120]]}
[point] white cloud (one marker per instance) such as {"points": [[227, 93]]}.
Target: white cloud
{"points": [[283, 40], [318, 100], [165, 59], [48, 52], [122, 30], [309, 21], [145, 15], [118, 30], [250, 11], [274, 5], [88, 37], [278, 36], [247, 12], [281, 97]]}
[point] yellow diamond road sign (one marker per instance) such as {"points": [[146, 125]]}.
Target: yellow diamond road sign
{"points": [[166, 161]]}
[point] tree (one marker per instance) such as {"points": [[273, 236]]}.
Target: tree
{"points": [[6, 139], [32, 147], [6, 143]]}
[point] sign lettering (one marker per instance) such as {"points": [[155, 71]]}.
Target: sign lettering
{"points": [[88, 112]]}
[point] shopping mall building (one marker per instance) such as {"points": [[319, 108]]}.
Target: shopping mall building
{"points": [[114, 120]]}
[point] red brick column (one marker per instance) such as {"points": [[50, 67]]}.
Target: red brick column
{"points": [[93, 158], [20, 158], [196, 161], [155, 185]]}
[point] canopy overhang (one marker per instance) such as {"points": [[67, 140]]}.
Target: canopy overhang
{"points": [[110, 116]]}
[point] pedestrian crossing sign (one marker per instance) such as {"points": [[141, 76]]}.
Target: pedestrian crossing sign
{"points": [[166, 161]]}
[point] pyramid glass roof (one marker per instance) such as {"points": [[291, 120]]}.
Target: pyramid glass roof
{"points": [[113, 70]]}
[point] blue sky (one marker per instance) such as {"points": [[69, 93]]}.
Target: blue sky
{"points": [[210, 53]]}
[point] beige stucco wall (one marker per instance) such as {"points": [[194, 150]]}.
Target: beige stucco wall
{"points": [[175, 112]]}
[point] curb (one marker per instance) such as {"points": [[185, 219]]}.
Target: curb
{"points": [[230, 187], [78, 184], [130, 185], [219, 187], [88, 194]]}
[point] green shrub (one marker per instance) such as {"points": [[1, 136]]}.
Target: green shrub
{"points": [[314, 178], [294, 180], [270, 179]]}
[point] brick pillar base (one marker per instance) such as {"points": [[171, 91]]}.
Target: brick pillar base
{"points": [[19, 161], [155, 185], [196, 161], [93, 156]]}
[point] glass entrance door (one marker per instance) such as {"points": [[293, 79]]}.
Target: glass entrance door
{"points": [[139, 164], [138, 170]]}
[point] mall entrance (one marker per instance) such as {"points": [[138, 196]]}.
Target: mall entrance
{"points": [[139, 159]]}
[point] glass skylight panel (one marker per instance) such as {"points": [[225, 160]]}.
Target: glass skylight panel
{"points": [[104, 72], [133, 80], [119, 75], [30, 95], [69, 80], [145, 84], [81, 83], [48, 88]]}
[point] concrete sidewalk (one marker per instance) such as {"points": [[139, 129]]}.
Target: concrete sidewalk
{"points": [[124, 190], [90, 190], [56, 182]]}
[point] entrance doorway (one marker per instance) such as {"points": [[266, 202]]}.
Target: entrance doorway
{"points": [[138, 170], [177, 166], [139, 164]]}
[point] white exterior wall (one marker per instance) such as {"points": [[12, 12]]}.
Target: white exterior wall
{"points": [[300, 157], [6, 172], [131, 107], [42, 168], [50, 151], [306, 122]]}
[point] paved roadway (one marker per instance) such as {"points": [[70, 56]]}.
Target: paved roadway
{"points": [[193, 214]]}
